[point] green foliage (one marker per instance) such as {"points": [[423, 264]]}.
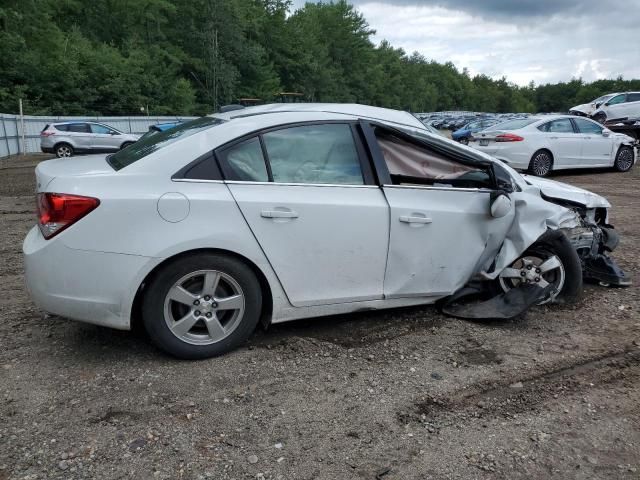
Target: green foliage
{"points": [[112, 57]]}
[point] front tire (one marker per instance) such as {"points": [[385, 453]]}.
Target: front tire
{"points": [[64, 150], [550, 260], [541, 163], [125, 145], [624, 159], [202, 306], [464, 140]]}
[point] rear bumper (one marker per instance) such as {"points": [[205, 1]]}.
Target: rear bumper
{"points": [[93, 287], [46, 149]]}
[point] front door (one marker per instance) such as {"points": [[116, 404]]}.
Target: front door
{"points": [[322, 225], [105, 138], [441, 228], [597, 150]]}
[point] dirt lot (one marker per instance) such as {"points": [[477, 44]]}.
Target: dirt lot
{"points": [[402, 394]]}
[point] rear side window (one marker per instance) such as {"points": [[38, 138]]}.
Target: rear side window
{"points": [[150, 144], [78, 128], [633, 97], [244, 162], [585, 126], [562, 125], [315, 154], [62, 128]]}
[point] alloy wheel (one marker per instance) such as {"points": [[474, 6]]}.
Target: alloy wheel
{"points": [[204, 307], [535, 270], [625, 160], [541, 164], [63, 151]]}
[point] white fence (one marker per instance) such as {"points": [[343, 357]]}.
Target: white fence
{"points": [[11, 129]]}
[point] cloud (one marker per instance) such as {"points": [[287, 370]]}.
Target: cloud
{"points": [[526, 40]]}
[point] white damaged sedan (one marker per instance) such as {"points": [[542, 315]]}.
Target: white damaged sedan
{"points": [[282, 212]]}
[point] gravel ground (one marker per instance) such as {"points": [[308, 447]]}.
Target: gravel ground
{"points": [[401, 394]]}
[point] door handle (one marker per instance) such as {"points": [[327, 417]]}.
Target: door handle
{"points": [[414, 219], [553, 138], [278, 214]]}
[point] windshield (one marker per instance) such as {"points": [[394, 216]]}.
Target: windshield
{"points": [[515, 124], [152, 143], [603, 98]]}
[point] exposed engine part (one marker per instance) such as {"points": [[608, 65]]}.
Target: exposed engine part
{"points": [[593, 239]]}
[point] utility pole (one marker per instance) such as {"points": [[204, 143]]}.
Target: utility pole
{"points": [[23, 146]]}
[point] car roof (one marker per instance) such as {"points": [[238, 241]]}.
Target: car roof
{"points": [[75, 121], [352, 110]]}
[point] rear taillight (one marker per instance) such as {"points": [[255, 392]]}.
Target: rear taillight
{"points": [[508, 137], [57, 211], [47, 133]]}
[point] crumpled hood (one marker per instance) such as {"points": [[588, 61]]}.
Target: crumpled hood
{"points": [[563, 191]]}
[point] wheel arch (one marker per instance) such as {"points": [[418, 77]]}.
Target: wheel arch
{"points": [[267, 294]]}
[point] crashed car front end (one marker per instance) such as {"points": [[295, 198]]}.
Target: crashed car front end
{"points": [[544, 210], [593, 239]]}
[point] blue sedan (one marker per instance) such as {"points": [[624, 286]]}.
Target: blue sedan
{"points": [[463, 134]]}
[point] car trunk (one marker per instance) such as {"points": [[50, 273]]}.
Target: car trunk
{"points": [[70, 167]]}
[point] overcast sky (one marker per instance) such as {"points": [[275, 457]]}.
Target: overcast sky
{"points": [[540, 40]]}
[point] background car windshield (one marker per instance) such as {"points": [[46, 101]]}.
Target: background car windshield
{"points": [[148, 145], [515, 124]]}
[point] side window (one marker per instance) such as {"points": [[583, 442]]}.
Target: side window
{"points": [[320, 154], [633, 97], [413, 164], [617, 99], [95, 128], [244, 162], [62, 128], [79, 128], [562, 125], [585, 126]]}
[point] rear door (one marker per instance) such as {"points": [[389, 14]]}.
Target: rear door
{"points": [[441, 229], [597, 150], [308, 195], [564, 141], [80, 134]]}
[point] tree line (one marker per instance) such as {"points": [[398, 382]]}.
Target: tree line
{"points": [[115, 57]]}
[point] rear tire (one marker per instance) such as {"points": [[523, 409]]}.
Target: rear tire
{"points": [[624, 159], [64, 150], [464, 140], [541, 163], [202, 306], [566, 273]]}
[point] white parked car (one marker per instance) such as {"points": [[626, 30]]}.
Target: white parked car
{"points": [[621, 105], [554, 142], [588, 109], [282, 212]]}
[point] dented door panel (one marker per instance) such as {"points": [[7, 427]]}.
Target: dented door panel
{"points": [[439, 237]]}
